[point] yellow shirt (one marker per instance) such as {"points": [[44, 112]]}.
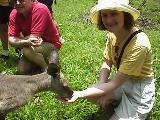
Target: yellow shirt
{"points": [[136, 60], [4, 2]]}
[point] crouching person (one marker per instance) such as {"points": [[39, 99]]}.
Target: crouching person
{"points": [[129, 50], [33, 30]]}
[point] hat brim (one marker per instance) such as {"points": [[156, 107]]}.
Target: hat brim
{"points": [[95, 11]]}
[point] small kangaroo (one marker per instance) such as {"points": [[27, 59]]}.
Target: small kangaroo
{"points": [[17, 90]]}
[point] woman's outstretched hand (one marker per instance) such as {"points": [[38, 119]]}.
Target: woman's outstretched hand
{"points": [[75, 96]]}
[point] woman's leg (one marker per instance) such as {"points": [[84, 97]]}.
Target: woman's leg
{"points": [[137, 99], [106, 103], [114, 117], [112, 98]]}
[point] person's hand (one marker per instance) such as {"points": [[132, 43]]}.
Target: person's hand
{"points": [[75, 96], [33, 40], [36, 42]]}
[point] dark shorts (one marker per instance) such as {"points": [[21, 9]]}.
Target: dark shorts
{"points": [[4, 14]]}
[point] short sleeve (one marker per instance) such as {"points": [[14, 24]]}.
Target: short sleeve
{"points": [[133, 62], [13, 28]]}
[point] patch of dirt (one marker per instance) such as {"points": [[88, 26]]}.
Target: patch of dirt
{"points": [[147, 23], [142, 21]]}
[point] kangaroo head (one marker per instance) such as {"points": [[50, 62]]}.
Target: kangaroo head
{"points": [[53, 69], [59, 83]]}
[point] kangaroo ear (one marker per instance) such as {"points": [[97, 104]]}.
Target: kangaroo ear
{"points": [[53, 69]]}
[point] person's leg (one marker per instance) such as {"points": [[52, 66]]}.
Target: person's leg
{"points": [[4, 37], [59, 82], [114, 117], [4, 18], [43, 55], [50, 53], [137, 100], [24, 66], [55, 1], [107, 103], [112, 98], [49, 5], [54, 62], [35, 57]]}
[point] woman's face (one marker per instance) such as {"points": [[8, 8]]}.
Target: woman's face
{"points": [[22, 6], [113, 20]]}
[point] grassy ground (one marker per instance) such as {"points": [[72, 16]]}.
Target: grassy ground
{"points": [[81, 57]]}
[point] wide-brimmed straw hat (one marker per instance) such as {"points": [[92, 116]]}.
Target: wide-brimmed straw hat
{"points": [[119, 5]]}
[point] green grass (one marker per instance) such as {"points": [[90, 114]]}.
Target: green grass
{"points": [[80, 57]]}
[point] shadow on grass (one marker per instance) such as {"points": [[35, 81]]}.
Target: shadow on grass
{"points": [[9, 66], [99, 115], [102, 115]]}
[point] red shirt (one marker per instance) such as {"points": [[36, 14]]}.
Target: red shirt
{"points": [[39, 21]]}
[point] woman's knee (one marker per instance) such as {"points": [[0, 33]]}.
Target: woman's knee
{"points": [[114, 117]]}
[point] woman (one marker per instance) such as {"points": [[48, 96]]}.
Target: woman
{"points": [[130, 52]]}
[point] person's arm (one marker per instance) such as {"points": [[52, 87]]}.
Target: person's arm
{"points": [[101, 89], [105, 71], [18, 42], [31, 40]]}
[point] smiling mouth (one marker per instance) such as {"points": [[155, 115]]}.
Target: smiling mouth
{"points": [[110, 25]]}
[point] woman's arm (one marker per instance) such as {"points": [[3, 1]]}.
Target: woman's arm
{"points": [[101, 89], [105, 71]]}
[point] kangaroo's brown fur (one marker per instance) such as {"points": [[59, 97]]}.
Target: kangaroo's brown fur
{"points": [[17, 90]]}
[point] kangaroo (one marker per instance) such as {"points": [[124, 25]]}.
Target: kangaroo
{"points": [[17, 90]]}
